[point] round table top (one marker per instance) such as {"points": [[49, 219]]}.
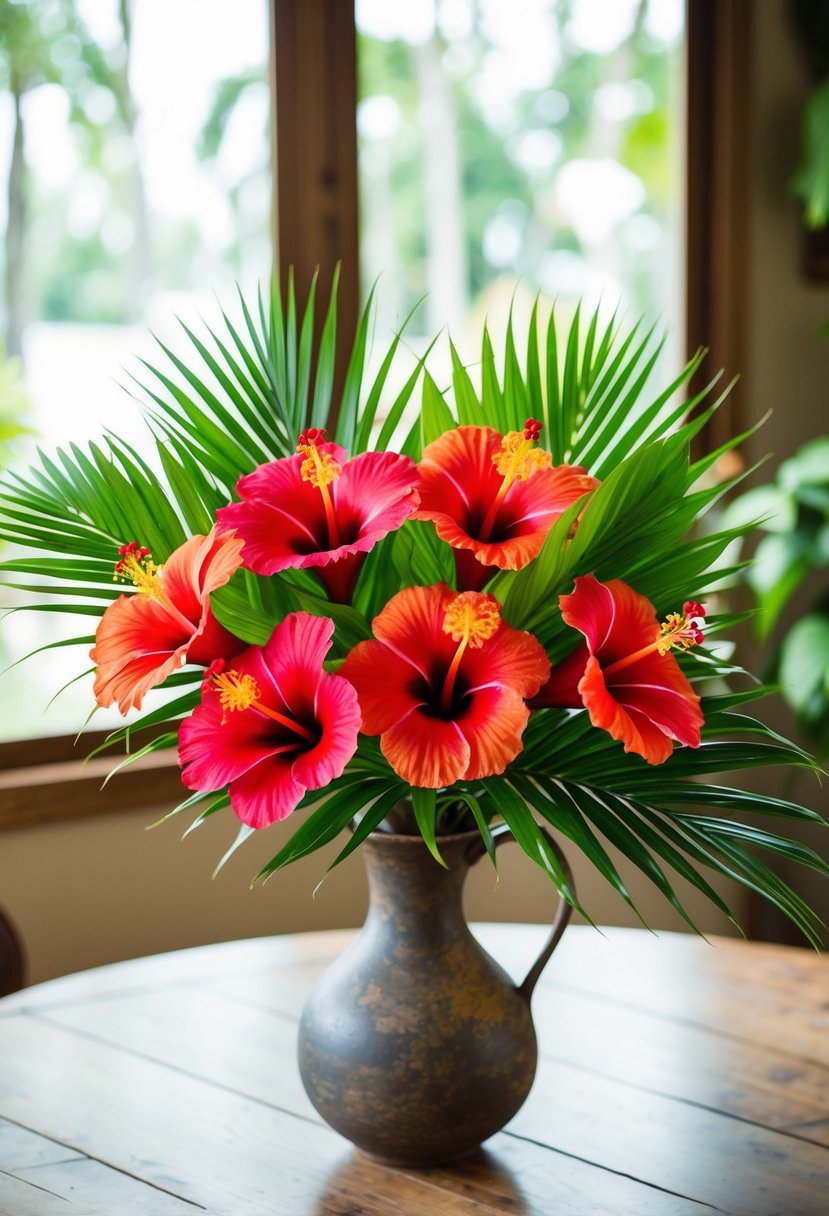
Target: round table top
{"points": [[676, 1077]]}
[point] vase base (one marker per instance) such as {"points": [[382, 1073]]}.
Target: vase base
{"points": [[408, 1163]]}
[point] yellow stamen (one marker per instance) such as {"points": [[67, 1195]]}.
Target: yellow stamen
{"points": [[236, 691], [143, 573], [470, 619], [240, 692], [676, 631], [320, 469], [516, 458]]}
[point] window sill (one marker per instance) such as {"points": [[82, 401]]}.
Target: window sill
{"points": [[53, 789]]}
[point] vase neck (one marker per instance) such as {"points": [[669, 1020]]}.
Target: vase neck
{"points": [[407, 885]]}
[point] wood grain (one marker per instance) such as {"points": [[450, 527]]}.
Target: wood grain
{"points": [[676, 1077]]}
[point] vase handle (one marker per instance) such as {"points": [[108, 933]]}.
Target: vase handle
{"points": [[564, 911]]}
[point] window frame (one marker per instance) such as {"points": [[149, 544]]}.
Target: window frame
{"points": [[313, 72]]}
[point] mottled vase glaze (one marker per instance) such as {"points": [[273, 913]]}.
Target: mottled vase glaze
{"points": [[415, 1044]]}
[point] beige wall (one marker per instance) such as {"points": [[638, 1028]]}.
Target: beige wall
{"points": [[100, 889]]}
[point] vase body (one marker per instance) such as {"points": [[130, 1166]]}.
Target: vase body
{"points": [[415, 1044]]}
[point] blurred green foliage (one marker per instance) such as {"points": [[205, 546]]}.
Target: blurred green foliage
{"points": [[793, 511]]}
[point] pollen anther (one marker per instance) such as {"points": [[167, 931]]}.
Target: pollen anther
{"points": [[472, 618], [135, 565], [682, 630], [235, 691], [320, 468], [518, 458]]}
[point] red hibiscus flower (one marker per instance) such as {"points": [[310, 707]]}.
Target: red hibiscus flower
{"points": [[494, 497], [144, 637], [624, 674], [320, 511], [272, 723], [444, 685]]}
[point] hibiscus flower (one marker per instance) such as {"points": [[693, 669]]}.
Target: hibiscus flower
{"points": [[624, 674], [317, 510], [494, 497], [444, 683], [144, 637], [272, 723]]}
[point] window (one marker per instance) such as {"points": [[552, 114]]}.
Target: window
{"points": [[137, 156], [504, 154]]}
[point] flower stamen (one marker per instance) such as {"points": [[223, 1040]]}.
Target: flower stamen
{"points": [[135, 565], [470, 619], [239, 692], [515, 458], [680, 631], [320, 469]]}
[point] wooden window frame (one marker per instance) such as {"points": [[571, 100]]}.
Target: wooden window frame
{"points": [[315, 222]]}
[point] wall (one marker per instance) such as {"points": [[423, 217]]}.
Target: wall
{"points": [[96, 890]]}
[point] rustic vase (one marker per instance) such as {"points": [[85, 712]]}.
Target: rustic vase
{"points": [[415, 1044]]}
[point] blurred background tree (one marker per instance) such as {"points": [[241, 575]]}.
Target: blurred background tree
{"points": [[46, 42]]}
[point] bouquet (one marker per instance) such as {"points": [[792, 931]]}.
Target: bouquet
{"points": [[488, 600]]}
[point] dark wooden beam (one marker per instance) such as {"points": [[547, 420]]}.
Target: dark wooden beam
{"points": [[718, 98], [314, 65]]}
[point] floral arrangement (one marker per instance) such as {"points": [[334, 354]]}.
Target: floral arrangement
{"points": [[486, 603]]}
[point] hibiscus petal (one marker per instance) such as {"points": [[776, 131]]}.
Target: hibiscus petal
{"points": [[656, 687], [562, 689], [215, 748], [338, 719], [510, 657], [374, 494], [426, 751], [614, 618], [457, 477], [293, 659], [630, 726], [199, 566], [385, 685], [538, 501], [411, 625], [510, 554], [278, 536], [493, 725], [267, 793], [139, 642]]}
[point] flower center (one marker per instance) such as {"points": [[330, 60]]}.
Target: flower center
{"points": [[135, 565], [515, 458], [239, 692], [470, 619], [679, 631], [320, 468]]}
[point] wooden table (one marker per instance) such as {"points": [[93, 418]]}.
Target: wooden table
{"points": [[676, 1077]]}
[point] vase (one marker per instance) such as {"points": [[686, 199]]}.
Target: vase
{"points": [[415, 1044]]}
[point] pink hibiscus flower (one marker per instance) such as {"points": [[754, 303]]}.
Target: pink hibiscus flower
{"points": [[317, 510], [272, 723], [624, 674], [144, 637]]}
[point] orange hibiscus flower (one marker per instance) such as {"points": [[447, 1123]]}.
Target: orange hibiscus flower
{"points": [[444, 683], [623, 673], [167, 621], [494, 497]]}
